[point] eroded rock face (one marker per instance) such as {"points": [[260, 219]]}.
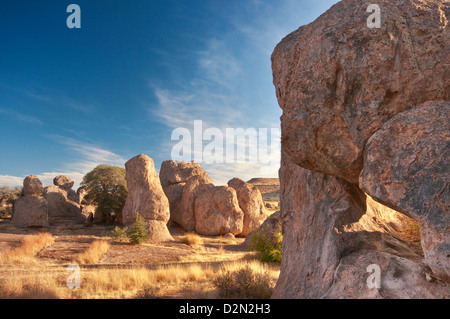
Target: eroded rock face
{"points": [[332, 233], [63, 182], [145, 194], [217, 212], [339, 81], [195, 186], [174, 176], [173, 172], [406, 167], [32, 209], [351, 99], [251, 203], [32, 186], [64, 202]]}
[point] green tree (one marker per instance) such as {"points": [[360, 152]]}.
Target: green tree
{"points": [[269, 244], [107, 189], [139, 232], [8, 196]]}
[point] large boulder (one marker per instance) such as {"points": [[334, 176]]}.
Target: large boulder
{"points": [[338, 81], [406, 167], [251, 203], [146, 196], [32, 185], [32, 209], [175, 172], [217, 212], [63, 182], [174, 175], [63, 202], [197, 184], [351, 99], [332, 233]]}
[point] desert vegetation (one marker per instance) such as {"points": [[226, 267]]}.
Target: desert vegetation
{"points": [[27, 271], [25, 253], [128, 241], [8, 196]]}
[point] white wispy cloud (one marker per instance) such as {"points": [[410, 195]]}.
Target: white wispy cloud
{"points": [[11, 181], [86, 157], [21, 117]]}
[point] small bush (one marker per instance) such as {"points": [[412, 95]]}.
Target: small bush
{"points": [[268, 244], [120, 234], [139, 232], [6, 212], [96, 250], [244, 283], [193, 240]]}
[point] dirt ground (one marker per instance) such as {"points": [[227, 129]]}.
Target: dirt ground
{"points": [[71, 240]]}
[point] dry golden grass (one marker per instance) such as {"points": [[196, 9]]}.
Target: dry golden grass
{"points": [[96, 250], [25, 253], [31, 285], [193, 240], [175, 281]]}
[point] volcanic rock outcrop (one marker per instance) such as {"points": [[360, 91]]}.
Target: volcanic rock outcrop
{"points": [[365, 145], [63, 202], [338, 81], [32, 209], [146, 197], [174, 175], [406, 167], [217, 212], [195, 186], [251, 203]]}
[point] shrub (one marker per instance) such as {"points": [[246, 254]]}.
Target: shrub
{"points": [[244, 283], [139, 232], [193, 240], [268, 243], [120, 234], [6, 212], [96, 250]]}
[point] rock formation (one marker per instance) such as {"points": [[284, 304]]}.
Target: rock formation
{"points": [[63, 202], [31, 210], [63, 182], [195, 186], [406, 167], [88, 210], [271, 227], [174, 176], [338, 81], [146, 196], [251, 203], [356, 119], [217, 212]]}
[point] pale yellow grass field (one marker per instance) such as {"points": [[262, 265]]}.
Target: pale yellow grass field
{"points": [[29, 247], [175, 281], [23, 274]]}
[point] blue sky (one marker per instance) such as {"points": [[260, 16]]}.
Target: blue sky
{"points": [[71, 99]]}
